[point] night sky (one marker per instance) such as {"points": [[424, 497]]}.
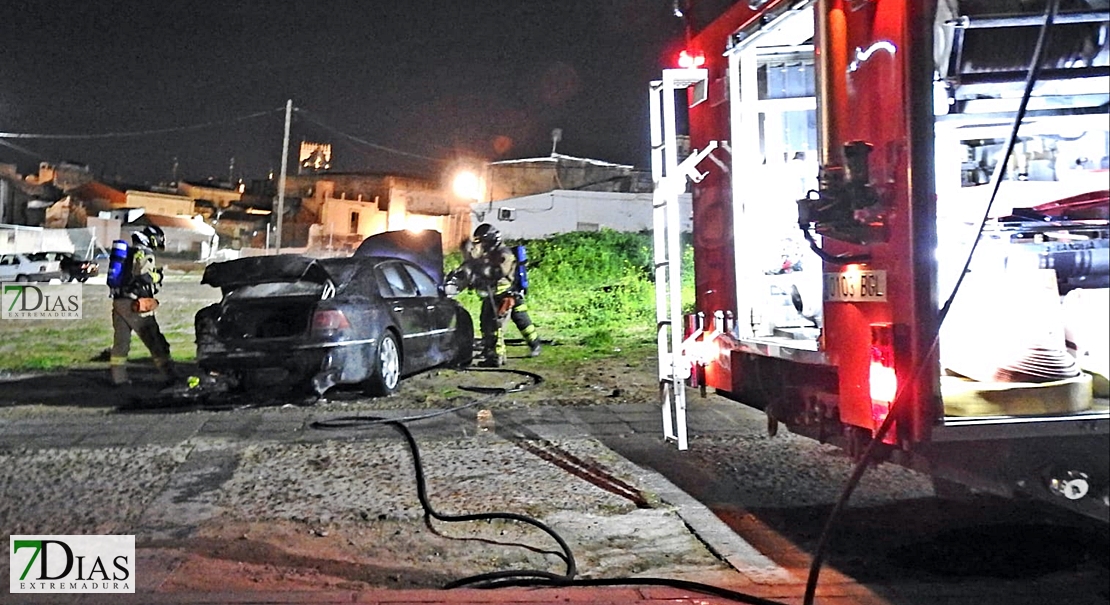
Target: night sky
{"points": [[434, 80]]}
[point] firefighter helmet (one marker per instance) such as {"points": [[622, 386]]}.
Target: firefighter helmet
{"points": [[141, 239], [488, 236], [156, 236]]}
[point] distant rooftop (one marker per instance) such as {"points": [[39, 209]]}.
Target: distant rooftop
{"points": [[558, 156]]}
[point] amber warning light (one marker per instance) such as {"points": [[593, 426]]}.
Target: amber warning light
{"points": [[691, 59]]}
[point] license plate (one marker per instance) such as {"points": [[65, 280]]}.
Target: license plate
{"points": [[856, 286]]}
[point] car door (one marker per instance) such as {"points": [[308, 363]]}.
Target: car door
{"points": [[409, 313], [441, 315], [9, 267]]}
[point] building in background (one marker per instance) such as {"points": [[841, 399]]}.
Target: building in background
{"points": [[329, 213], [168, 204], [186, 237], [210, 198], [351, 208], [528, 176], [24, 200], [314, 158], [535, 198], [560, 211]]}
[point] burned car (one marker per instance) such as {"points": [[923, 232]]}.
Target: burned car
{"points": [[368, 319]]}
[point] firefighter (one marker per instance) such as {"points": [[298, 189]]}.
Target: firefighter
{"points": [[133, 307], [490, 269]]}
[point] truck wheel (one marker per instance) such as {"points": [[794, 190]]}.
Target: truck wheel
{"points": [[385, 368]]}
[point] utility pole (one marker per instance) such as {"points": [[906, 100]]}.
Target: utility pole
{"points": [[281, 182]]}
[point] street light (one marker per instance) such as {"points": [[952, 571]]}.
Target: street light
{"points": [[468, 185]]}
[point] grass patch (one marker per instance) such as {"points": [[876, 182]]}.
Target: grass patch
{"points": [[54, 344], [594, 290]]}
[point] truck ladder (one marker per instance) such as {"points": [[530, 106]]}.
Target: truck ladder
{"points": [[669, 178]]}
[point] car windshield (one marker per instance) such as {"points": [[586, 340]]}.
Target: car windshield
{"points": [[343, 270]]}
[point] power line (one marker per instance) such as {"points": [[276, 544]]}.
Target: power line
{"points": [[134, 133], [362, 141], [21, 149], [156, 131]]}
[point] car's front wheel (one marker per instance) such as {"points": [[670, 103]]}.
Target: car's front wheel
{"points": [[386, 367], [22, 278]]}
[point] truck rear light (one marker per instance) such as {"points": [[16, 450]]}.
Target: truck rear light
{"points": [[883, 379], [703, 351], [691, 59], [329, 321], [700, 346]]}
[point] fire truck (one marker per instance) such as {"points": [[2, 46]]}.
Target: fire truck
{"points": [[900, 232]]}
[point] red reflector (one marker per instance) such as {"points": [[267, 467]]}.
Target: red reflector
{"points": [[329, 320], [883, 379], [690, 60]]}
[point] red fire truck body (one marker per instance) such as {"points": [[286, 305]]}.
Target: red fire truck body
{"points": [[848, 171]]}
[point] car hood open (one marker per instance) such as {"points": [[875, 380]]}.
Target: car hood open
{"points": [[422, 248]]}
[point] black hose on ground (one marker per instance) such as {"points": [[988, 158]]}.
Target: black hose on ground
{"points": [[398, 424], [698, 587], [515, 577]]}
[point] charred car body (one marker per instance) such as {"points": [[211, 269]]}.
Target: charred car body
{"points": [[368, 319]]}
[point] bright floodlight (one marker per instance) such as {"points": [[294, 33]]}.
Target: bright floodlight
{"points": [[467, 185]]}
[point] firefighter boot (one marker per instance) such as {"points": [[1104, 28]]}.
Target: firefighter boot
{"points": [[118, 370], [530, 336], [492, 361], [490, 358], [167, 373], [493, 350]]}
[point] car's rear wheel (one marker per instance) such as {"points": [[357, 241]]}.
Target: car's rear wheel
{"points": [[386, 367], [21, 278]]}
